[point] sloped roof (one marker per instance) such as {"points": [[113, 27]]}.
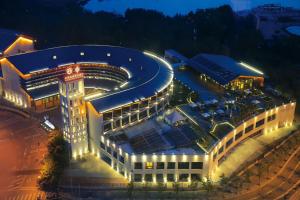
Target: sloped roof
{"points": [[148, 74], [222, 69], [7, 37]]}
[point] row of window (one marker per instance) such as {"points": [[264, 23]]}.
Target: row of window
{"points": [[247, 130], [168, 165], [112, 152], [169, 177], [108, 126]]}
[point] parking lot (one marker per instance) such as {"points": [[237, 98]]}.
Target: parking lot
{"points": [[22, 147]]}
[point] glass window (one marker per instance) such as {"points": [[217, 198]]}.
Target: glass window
{"points": [[183, 165], [240, 134], [229, 142], [138, 165], [159, 177], [121, 159], [138, 177], [160, 165], [195, 177], [183, 177], [259, 123], [148, 177], [271, 117], [249, 128], [149, 165], [115, 154], [170, 178], [102, 145], [171, 165], [109, 150], [221, 150], [197, 165]]}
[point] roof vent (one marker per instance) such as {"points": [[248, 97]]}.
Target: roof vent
{"points": [[108, 54], [82, 53], [130, 59], [54, 57]]}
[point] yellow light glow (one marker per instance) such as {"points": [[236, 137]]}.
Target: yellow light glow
{"points": [[144, 157], [251, 68]]}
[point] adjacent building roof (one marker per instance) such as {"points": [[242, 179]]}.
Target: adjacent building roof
{"points": [[174, 54], [7, 37], [149, 74], [222, 69]]}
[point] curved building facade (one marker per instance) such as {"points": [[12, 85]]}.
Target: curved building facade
{"points": [[103, 89]]}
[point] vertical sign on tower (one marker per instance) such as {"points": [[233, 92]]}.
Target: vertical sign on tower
{"points": [[73, 110]]}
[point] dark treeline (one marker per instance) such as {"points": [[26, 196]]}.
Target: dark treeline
{"points": [[216, 30]]}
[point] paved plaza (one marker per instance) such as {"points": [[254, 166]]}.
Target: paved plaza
{"points": [[22, 146]]}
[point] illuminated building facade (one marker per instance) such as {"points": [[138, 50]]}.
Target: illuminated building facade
{"points": [[220, 70], [73, 110], [104, 89]]}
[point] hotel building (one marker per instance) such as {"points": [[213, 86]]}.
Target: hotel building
{"points": [[102, 90]]}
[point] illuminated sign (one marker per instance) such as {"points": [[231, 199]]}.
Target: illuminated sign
{"points": [[73, 74]]}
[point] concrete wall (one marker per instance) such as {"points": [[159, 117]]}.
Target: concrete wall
{"points": [[284, 118], [12, 89]]}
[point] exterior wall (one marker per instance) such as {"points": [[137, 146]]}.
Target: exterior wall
{"points": [[74, 115], [12, 89], [95, 121], [125, 164], [1, 86], [184, 173], [134, 113], [21, 45], [273, 119]]}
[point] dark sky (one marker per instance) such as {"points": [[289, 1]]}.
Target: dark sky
{"points": [[171, 7]]}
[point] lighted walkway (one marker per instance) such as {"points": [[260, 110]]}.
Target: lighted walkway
{"points": [[249, 150]]}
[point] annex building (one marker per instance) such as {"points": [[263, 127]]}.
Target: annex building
{"points": [[222, 70]]}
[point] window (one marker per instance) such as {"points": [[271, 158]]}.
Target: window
{"points": [[134, 118], [149, 165], [229, 142], [183, 177], [272, 117], [183, 165], [102, 145], [221, 150], [159, 177], [121, 159], [249, 128], [108, 150], [148, 177], [115, 154], [259, 123], [171, 165], [170, 178], [138, 165], [138, 177], [160, 165], [195, 177], [197, 165], [240, 134], [107, 127]]}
